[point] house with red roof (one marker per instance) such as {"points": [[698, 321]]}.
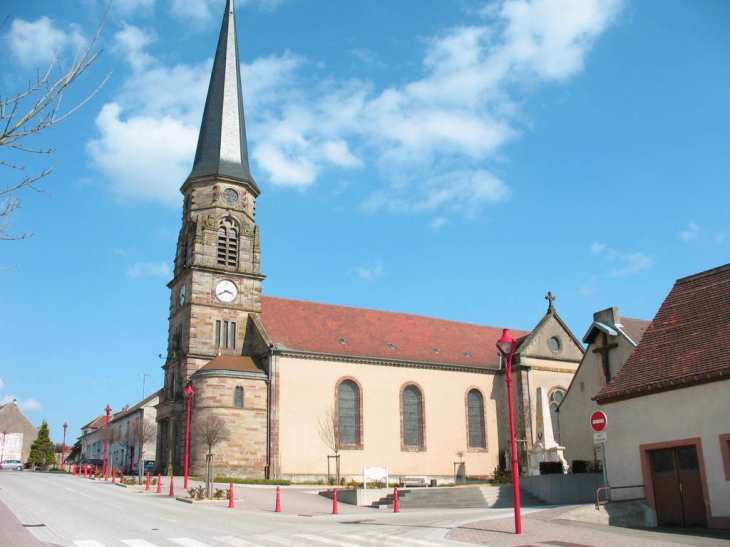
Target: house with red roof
{"points": [[610, 340], [296, 383], [668, 431]]}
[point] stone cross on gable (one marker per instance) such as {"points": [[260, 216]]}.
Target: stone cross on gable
{"points": [[550, 299], [604, 355]]}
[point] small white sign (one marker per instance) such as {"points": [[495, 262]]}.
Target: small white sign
{"points": [[601, 437]]}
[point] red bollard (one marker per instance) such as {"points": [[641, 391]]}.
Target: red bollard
{"points": [[86, 470], [73, 470], [335, 509], [159, 483], [114, 474], [231, 504], [278, 500], [172, 486], [147, 486], [396, 501]]}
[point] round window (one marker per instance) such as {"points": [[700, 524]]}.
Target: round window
{"points": [[554, 344]]}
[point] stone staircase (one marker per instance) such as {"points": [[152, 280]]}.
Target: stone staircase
{"points": [[457, 498]]}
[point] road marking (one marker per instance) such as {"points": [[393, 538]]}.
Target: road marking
{"points": [[280, 541], [187, 542], [137, 543], [118, 507], [88, 543], [236, 542], [408, 540], [327, 541]]}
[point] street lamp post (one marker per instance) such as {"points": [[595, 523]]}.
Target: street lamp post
{"points": [[506, 346], [108, 410], [63, 446], [189, 392]]}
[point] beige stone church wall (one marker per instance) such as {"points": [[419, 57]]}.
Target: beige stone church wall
{"points": [[307, 389], [676, 417], [244, 453]]}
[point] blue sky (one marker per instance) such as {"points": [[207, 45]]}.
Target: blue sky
{"points": [[450, 159]]}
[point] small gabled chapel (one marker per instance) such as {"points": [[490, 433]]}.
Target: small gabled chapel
{"points": [[296, 382]]}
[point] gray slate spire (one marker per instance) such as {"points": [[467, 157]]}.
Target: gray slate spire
{"points": [[222, 148]]}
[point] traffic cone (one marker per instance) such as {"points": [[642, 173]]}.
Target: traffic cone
{"points": [[396, 501], [159, 483], [231, 504], [335, 510], [172, 486], [147, 486], [278, 500]]}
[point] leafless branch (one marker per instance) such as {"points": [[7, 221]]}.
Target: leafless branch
{"points": [[328, 427], [32, 112]]}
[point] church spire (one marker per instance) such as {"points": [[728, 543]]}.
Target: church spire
{"points": [[222, 148]]}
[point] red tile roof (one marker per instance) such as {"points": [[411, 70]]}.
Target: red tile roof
{"points": [[360, 333], [634, 328], [686, 344]]}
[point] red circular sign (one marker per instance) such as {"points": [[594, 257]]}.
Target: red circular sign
{"points": [[599, 420]]}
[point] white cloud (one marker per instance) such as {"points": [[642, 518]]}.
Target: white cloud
{"points": [[621, 264], [692, 231], [25, 405], [369, 273], [438, 222], [131, 42], [35, 43], [597, 248], [149, 269], [461, 112], [142, 157]]}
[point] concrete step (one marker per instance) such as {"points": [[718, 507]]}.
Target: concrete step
{"points": [[457, 498]]}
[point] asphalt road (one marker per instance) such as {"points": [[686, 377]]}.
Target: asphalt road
{"points": [[66, 511]]}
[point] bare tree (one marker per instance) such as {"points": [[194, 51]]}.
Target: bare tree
{"points": [[31, 112], [141, 433], [211, 430], [328, 427]]}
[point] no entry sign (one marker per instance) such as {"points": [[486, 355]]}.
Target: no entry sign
{"points": [[598, 421]]}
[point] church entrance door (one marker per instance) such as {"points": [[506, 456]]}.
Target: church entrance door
{"points": [[678, 486]]}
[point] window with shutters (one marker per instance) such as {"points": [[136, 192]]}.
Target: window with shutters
{"points": [[348, 414], [475, 418], [412, 418], [227, 243]]}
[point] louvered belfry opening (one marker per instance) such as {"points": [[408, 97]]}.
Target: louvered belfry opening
{"points": [[227, 244]]}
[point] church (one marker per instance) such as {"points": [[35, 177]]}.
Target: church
{"points": [[298, 382]]}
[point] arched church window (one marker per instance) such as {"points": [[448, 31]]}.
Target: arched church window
{"points": [[348, 413], [556, 397], [412, 417], [475, 416], [238, 397], [227, 243]]}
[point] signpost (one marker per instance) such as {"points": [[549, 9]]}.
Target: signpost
{"points": [[599, 421]]}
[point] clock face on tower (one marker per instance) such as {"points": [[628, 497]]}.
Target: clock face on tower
{"points": [[230, 195], [226, 291]]}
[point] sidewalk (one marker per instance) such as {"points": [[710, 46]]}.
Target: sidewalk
{"points": [[12, 532], [546, 528]]}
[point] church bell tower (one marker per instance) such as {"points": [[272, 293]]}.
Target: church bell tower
{"points": [[217, 277]]}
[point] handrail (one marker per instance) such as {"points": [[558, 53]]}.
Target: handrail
{"points": [[609, 488]]}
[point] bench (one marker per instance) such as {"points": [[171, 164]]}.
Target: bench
{"points": [[414, 481], [375, 474]]}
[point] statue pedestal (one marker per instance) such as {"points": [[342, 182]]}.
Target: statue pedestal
{"points": [[544, 453]]}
